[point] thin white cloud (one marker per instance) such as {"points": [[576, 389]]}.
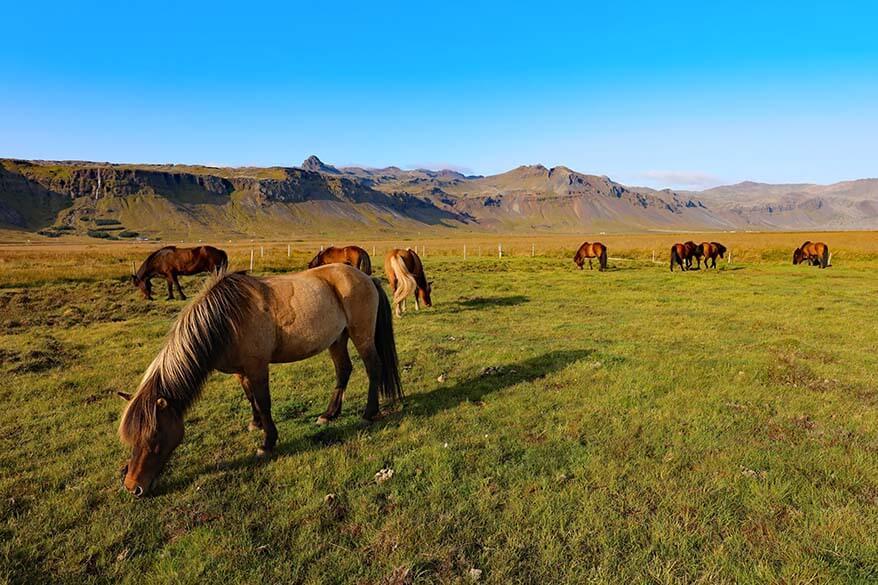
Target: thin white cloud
{"points": [[681, 178]]}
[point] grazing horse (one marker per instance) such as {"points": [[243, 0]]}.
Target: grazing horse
{"points": [[693, 250], [680, 253], [350, 255], [171, 262], [591, 250], [239, 325], [711, 250], [406, 275], [817, 253]]}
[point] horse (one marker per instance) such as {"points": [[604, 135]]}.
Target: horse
{"points": [[405, 272], [350, 255], [681, 254], [171, 262], [693, 250], [239, 325], [711, 250], [817, 253], [591, 250]]}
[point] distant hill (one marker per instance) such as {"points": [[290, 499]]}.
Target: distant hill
{"points": [[133, 200]]}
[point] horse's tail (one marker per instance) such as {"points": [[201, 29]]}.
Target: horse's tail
{"points": [[603, 258], [385, 344], [365, 263], [674, 257], [406, 284]]}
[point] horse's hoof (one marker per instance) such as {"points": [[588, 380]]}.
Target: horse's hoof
{"points": [[323, 420], [263, 453], [254, 427]]}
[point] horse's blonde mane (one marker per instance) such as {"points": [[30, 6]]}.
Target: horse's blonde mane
{"points": [[195, 342]]}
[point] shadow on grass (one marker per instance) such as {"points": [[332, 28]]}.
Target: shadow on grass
{"points": [[491, 379], [478, 303]]}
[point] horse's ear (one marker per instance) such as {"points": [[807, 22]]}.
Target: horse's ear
{"points": [[124, 395], [161, 403]]}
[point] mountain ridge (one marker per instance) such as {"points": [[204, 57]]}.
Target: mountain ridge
{"points": [[156, 200]]}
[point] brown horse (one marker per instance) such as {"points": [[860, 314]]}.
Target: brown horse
{"points": [[239, 325], [591, 250], [817, 253], [680, 254], [405, 272], [350, 255], [710, 251], [171, 262]]}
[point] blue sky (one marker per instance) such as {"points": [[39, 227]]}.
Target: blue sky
{"points": [[679, 94]]}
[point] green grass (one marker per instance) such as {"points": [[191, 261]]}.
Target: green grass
{"points": [[630, 426]]}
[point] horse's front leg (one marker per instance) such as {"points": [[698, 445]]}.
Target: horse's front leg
{"points": [[177, 284], [590, 267], [343, 368], [256, 383], [170, 288], [256, 420]]}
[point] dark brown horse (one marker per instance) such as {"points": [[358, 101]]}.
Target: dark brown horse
{"points": [[170, 262], [680, 254], [693, 250], [406, 275], [239, 325], [591, 250], [710, 251], [817, 253], [350, 255]]}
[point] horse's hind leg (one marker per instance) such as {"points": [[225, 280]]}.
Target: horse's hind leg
{"points": [[256, 384], [170, 288], [177, 284], [590, 267], [343, 368]]}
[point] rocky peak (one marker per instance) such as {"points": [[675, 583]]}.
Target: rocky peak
{"points": [[314, 164]]}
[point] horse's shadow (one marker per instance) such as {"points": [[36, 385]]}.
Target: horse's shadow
{"points": [[478, 303], [491, 379]]}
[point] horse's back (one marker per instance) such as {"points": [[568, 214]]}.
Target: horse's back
{"points": [[310, 309]]}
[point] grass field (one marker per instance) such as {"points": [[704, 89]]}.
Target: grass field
{"points": [[627, 426]]}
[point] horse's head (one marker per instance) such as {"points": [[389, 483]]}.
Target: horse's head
{"points": [[721, 248], [578, 260], [316, 260], [798, 255], [151, 449], [424, 294], [144, 285]]}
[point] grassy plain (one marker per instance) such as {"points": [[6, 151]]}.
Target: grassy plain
{"points": [[627, 426]]}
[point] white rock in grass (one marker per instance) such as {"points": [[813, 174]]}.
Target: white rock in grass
{"points": [[441, 378], [383, 475]]}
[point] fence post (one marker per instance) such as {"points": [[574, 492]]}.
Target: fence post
{"points": [[261, 252], [321, 247], [653, 256], [289, 251], [373, 250], [533, 250], [251, 259], [828, 263], [464, 251], [499, 250], [729, 260]]}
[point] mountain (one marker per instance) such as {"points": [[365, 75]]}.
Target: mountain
{"points": [[840, 206], [315, 198]]}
